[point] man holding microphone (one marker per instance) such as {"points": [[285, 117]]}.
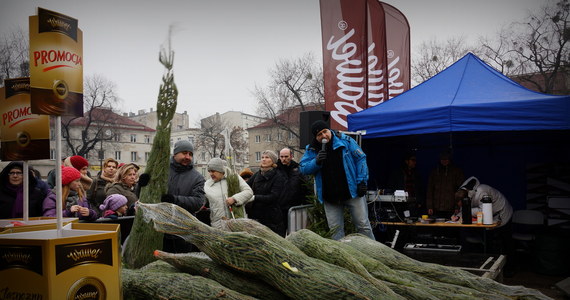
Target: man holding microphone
{"points": [[341, 174]]}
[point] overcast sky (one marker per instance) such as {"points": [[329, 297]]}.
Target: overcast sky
{"points": [[226, 47]]}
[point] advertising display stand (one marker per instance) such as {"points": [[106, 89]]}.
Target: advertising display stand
{"points": [[81, 261], [43, 258]]}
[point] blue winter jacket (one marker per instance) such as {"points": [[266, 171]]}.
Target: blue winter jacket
{"points": [[354, 161]]}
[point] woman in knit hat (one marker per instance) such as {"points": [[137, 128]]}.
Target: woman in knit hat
{"points": [[12, 192], [216, 188], [75, 203], [267, 184], [114, 206], [81, 164], [124, 183]]}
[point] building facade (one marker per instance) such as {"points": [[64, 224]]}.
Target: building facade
{"points": [[275, 135]]}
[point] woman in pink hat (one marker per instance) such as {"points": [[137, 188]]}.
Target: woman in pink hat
{"points": [[75, 203]]}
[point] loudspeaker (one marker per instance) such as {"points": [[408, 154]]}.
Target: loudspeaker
{"points": [[307, 118]]}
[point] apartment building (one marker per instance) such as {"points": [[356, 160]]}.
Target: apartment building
{"points": [[275, 135]]}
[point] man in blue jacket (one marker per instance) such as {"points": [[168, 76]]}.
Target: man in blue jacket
{"points": [[341, 174]]}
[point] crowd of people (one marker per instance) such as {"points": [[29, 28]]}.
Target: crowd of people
{"points": [[82, 196], [265, 195], [336, 161]]}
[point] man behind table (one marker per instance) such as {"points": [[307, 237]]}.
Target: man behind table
{"points": [[185, 189], [341, 174]]}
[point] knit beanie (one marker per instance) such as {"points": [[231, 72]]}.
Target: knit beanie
{"points": [[69, 174], [113, 202], [318, 126], [271, 155], [216, 164], [78, 162], [183, 145]]}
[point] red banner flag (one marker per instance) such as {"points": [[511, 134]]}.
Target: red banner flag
{"points": [[398, 44], [366, 55], [345, 54], [377, 60]]}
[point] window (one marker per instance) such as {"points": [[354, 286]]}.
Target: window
{"points": [[279, 136], [146, 156], [258, 139], [51, 153], [147, 139], [291, 135], [191, 139], [268, 137], [117, 155], [133, 138], [86, 156], [117, 137], [134, 156], [203, 156], [257, 156]]}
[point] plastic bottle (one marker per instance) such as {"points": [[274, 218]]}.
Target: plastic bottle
{"points": [[466, 210], [487, 210]]}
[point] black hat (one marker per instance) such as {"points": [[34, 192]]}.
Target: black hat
{"points": [[317, 126]]}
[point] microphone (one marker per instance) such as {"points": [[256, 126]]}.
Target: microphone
{"points": [[324, 141]]}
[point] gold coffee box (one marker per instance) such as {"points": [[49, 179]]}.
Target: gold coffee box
{"points": [[81, 261]]}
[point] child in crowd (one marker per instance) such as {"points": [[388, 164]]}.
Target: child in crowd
{"points": [[114, 206], [75, 203]]}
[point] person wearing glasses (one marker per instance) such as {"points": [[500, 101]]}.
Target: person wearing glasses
{"points": [[12, 193]]}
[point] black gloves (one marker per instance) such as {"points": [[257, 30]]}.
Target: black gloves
{"points": [[144, 179], [361, 189], [168, 198], [321, 156]]}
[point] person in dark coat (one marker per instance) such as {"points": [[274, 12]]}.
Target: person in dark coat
{"points": [[267, 185], [443, 181], [408, 179], [185, 189], [12, 193], [296, 189], [96, 194]]}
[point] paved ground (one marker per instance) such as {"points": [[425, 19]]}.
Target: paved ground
{"points": [[543, 283]]}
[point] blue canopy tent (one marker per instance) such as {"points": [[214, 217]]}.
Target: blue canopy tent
{"points": [[496, 128]]}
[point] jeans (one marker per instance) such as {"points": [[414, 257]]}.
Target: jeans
{"points": [[359, 212]]}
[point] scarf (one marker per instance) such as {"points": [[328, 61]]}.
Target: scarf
{"points": [[18, 208]]}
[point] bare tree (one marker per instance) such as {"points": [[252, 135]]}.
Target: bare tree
{"points": [[14, 55], [434, 56], [295, 83], [536, 50], [96, 125], [211, 137], [239, 144]]}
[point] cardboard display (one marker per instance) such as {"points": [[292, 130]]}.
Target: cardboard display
{"points": [[81, 261], [23, 135]]}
